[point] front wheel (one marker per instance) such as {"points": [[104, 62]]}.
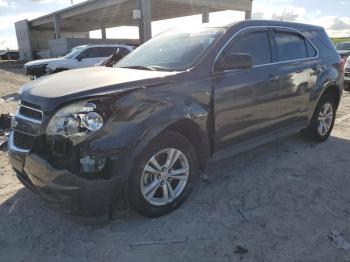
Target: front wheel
{"points": [[164, 175], [323, 119]]}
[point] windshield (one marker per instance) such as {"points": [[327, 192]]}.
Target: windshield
{"points": [[343, 46], [75, 51], [172, 51]]}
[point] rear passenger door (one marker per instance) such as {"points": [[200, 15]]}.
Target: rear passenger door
{"points": [[298, 68], [246, 101]]}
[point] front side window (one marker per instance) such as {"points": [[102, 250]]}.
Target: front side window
{"points": [[73, 53], [290, 46], [256, 44], [175, 50]]}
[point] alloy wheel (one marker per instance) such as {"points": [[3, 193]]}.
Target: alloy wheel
{"points": [[165, 176], [325, 119]]}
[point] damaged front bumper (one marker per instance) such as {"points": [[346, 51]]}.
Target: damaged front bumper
{"points": [[83, 200]]}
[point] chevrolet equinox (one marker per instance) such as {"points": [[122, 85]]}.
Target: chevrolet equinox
{"points": [[141, 131]]}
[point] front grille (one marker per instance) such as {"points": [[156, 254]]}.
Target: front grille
{"points": [[38, 70], [23, 141], [30, 111]]}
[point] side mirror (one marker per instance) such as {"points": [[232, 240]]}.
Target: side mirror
{"points": [[79, 59], [234, 61]]}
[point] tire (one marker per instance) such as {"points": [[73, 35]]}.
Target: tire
{"points": [[140, 180], [313, 130]]}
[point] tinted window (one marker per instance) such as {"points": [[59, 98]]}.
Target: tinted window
{"points": [[311, 51], [343, 46], [106, 51], [256, 44], [88, 53], [290, 46]]}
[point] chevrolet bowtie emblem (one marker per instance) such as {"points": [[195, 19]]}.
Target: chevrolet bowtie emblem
{"points": [[14, 123]]}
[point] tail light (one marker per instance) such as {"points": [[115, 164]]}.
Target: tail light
{"points": [[342, 64]]}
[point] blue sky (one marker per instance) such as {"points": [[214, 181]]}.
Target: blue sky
{"points": [[334, 15]]}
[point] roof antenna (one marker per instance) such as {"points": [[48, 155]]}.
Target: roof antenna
{"points": [[284, 13], [71, 1]]}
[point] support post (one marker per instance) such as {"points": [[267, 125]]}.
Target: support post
{"points": [[248, 15], [57, 23], [145, 23], [205, 15], [103, 33]]}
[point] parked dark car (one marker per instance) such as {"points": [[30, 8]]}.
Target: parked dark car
{"points": [[88, 138], [343, 49], [9, 55]]}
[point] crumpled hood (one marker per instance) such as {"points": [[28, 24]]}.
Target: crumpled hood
{"points": [[44, 61], [53, 90]]}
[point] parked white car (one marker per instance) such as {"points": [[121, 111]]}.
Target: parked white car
{"points": [[79, 57]]}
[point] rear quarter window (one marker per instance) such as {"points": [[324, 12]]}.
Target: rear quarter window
{"points": [[323, 43]]}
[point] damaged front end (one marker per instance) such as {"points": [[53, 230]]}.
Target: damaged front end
{"points": [[46, 151]]}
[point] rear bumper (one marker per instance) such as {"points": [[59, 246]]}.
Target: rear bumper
{"points": [[83, 200]]}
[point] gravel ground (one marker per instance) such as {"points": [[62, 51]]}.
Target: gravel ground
{"points": [[280, 202]]}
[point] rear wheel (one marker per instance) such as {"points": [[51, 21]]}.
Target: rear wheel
{"points": [[323, 119], [164, 175]]}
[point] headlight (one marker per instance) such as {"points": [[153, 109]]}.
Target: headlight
{"points": [[77, 121]]}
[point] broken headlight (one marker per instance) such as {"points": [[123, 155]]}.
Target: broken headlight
{"points": [[79, 120]]}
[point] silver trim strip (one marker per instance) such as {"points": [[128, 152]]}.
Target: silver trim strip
{"points": [[18, 115], [35, 121], [273, 63], [12, 146]]}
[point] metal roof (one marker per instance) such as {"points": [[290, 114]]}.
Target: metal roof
{"points": [[94, 14]]}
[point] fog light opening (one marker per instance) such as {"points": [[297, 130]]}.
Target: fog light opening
{"points": [[90, 164]]}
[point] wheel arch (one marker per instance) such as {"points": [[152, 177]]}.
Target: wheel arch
{"points": [[195, 136], [334, 91]]}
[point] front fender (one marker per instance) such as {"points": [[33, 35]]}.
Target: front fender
{"points": [[139, 118]]}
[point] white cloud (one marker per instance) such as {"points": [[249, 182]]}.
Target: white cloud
{"points": [[8, 21], [335, 26], [59, 1]]}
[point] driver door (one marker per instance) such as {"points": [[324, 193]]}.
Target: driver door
{"points": [[247, 101]]}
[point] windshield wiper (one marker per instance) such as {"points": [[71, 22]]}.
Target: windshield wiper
{"points": [[149, 68]]}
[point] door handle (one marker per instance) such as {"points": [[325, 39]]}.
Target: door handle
{"points": [[317, 67], [272, 78]]}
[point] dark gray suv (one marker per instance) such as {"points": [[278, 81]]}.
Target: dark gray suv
{"points": [[86, 139]]}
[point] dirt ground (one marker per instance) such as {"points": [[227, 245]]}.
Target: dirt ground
{"points": [[280, 202]]}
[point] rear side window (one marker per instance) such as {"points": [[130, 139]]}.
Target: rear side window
{"points": [[257, 44], [290, 46], [311, 51], [107, 51]]}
